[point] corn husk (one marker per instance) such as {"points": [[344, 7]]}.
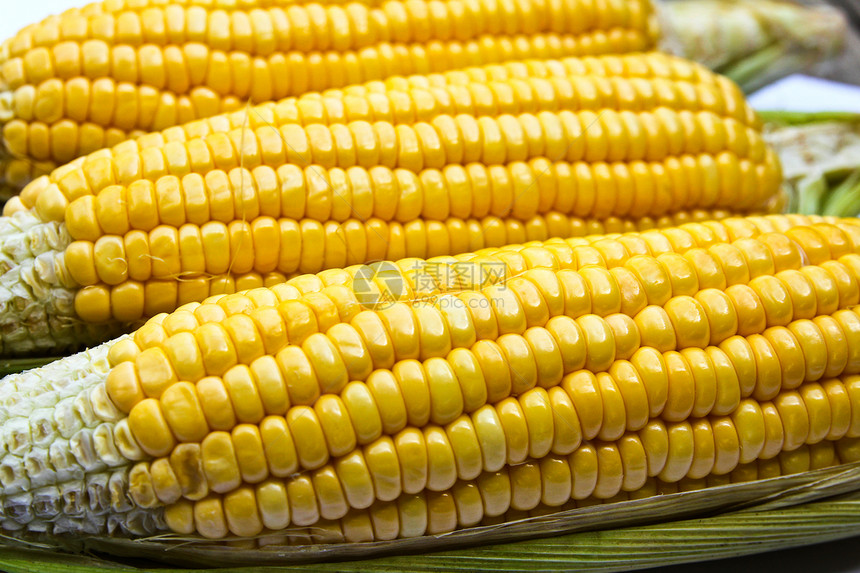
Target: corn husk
{"points": [[15, 365], [754, 42], [626, 549], [820, 155], [724, 521]]}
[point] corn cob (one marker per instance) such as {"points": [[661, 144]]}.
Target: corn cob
{"points": [[821, 455], [460, 505], [91, 78], [637, 83], [172, 218], [574, 370]]}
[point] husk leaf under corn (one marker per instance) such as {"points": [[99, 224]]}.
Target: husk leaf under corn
{"points": [[15, 365], [724, 521], [820, 155]]}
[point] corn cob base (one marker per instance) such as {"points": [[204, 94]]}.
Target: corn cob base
{"points": [[37, 295], [77, 484]]}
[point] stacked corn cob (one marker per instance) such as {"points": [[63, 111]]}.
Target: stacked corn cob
{"points": [[421, 399], [399, 399], [411, 167], [93, 77]]}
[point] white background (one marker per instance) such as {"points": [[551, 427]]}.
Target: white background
{"points": [[15, 14]]}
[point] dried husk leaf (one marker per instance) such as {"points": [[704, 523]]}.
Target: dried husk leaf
{"points": [[778, 512]]}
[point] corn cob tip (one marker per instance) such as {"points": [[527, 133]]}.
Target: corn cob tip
{"points": [[37, 292], [64, 465]]}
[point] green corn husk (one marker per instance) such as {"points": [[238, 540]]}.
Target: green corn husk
{"points": [[820, 155], [754, 42], [725, 521], [730, 535], [15, 365]]}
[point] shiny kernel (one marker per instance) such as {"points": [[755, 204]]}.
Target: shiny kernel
{"points": [[680, 452], [150, 429], [795, 419], [250, 455], [774, 431], [721, 314], [240, 385], [413, 384], [688, 317], [383, 464], [749, 422], [355, 479], [123, 386], [814, 346], [219, 462], [216, 404], [836, 343], [768, 368], [124, 350], [311, 448], [656, 329], [219, 353], [614, 411], [704, 452], [585, 470], [818, 407], [183, 412], [154, 371], [626, 335], [336, 425], [633, 393], [241, 513], [273, 505], [681, 396], [584, 392], [604, 290], [752, 318], [611, 475], [727, 445], [775, 299]]}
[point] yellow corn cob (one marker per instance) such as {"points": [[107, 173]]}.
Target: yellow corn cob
{"points": [[399, 400], [636, 87], [42, 311], [821, 455], [480, 503], [93, 77], [467, 502], [419, 167]]}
